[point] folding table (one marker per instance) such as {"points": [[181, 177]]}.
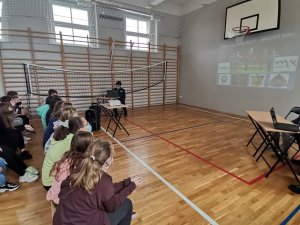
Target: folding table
{"points": [[109, 110], [263, 124], [102, 100]]}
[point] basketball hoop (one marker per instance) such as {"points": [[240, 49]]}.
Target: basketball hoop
{"points": [[240, 33]]}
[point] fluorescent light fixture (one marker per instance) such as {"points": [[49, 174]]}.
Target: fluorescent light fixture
{"points": [[156, 2]]}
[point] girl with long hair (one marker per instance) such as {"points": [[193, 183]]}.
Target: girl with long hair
{"points": [[66, 113], [69, 161], [60, 143], [89, 197], [9, 135], [53, 100], [63, 112], [11, 139]]}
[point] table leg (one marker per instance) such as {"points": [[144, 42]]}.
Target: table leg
{"points": [[282, 156]]}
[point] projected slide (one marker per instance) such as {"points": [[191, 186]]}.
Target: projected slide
{"points": [[266, 62]]}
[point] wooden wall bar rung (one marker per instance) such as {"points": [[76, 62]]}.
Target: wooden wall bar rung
{"points": [[43, 49]]}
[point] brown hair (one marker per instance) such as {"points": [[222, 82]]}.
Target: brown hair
{"points": [[53, 99], [52, 92], [6, 116], [56, 109], [67, 113], [79, 144], [5, 99], [91, 166], [74, 125], [12, 94]]}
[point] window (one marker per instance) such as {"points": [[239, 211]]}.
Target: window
{"points": [[138, 32], [72, 22], [0, 20]]}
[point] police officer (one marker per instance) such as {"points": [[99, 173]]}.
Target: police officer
{"points": [[122, 97]]}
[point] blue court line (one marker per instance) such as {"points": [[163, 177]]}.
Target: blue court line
{"points": [[291, 215]]}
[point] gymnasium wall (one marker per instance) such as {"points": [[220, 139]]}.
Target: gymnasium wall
{"points": [[19, 15], [203, 48]]}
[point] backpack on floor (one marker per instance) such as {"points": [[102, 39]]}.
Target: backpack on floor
{"points": [[96, 107], [92, 115]]}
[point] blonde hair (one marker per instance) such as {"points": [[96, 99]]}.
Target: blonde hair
{"points": [[91, 166], [67, 114], [79, 144]]}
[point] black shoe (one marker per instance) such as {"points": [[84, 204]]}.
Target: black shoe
{"points": [[12, 186], [294, 188], [9, 187], [295, 161], [25, 155]]}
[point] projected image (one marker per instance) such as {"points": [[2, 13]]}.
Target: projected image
{"points": [[223, 68], [257, 62], [288, 63], [260, 63], [279, 80], [224, 79], [257, 80]]}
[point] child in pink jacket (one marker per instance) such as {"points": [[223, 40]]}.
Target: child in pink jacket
{"points": [[62, 168]]}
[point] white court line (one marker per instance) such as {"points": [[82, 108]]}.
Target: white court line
{"points": [[221, 114], [182, 196]]}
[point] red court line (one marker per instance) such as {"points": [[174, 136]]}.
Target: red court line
{"points": [[251, 182], [165, 132]]}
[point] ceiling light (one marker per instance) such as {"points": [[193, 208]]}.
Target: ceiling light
{"points": [[156, 2]]}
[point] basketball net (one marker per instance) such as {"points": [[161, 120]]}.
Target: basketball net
{"points": [[240, 33]]}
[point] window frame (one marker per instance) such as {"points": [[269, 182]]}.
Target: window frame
{"points": [[141, 46], [1, 21], [71, 40]]}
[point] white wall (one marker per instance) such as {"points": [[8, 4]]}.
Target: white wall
{"points": [[201, 46]]}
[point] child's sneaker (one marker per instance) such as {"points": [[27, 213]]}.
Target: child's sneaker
{"points": [[28, 177], [26, 138], [3, 188], [9, 187], [133, 215], [32, 170]]}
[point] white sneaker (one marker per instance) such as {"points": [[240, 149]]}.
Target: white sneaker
{"points": [[28, 177], [134, 215], [32, 170], [26, 138]]}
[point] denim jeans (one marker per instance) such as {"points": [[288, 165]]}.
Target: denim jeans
{"points": [[3, 172]]}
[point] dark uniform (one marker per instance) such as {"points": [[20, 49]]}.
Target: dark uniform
{"points": [[122, 97]]}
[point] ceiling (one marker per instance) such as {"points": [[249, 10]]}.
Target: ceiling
{"points": [[175, 7]]}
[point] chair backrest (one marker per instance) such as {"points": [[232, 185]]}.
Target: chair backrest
{"points": [[295, 110]]}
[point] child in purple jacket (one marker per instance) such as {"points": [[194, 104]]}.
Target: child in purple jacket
{"points": [[89, 197]]}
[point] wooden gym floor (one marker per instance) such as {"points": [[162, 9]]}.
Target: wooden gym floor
{"points": [[196, 168]]}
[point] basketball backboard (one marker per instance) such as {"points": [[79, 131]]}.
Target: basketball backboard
{"points": [[258, 15]]}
